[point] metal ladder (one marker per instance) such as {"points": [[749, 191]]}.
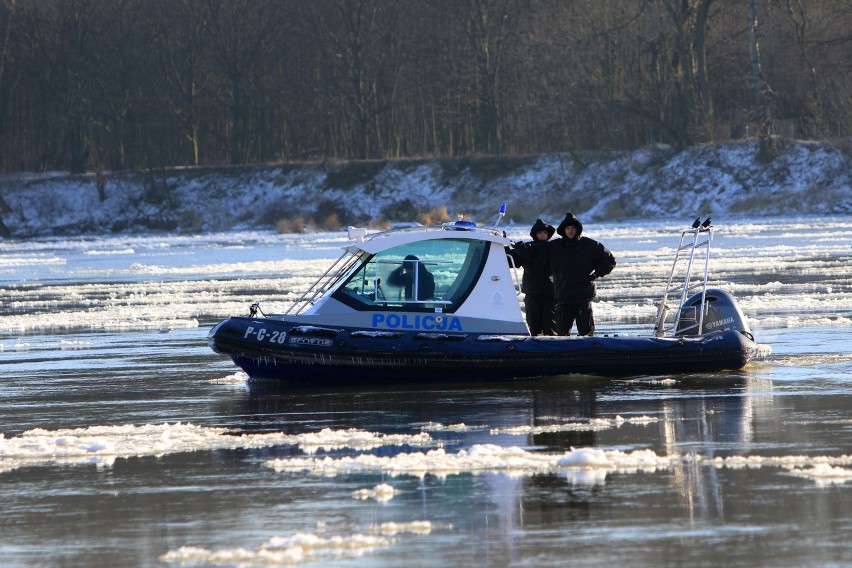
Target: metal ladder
{"points": [[693, 242]]}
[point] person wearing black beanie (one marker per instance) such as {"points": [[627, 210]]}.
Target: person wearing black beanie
{"points": [[536, 284]]}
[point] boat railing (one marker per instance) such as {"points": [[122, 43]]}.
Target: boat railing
{"points": [[694, 248], [513, 268], [451, 226], [324, 282]]}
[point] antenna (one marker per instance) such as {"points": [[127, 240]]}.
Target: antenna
{"points": [[500, 214]]}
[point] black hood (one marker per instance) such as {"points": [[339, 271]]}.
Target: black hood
{"points": [[540, 225], [570, 220]]}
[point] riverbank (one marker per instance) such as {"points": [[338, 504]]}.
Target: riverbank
{"points": [[654, 182]]}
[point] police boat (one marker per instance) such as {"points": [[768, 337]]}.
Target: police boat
{"points": [[441, 303]]}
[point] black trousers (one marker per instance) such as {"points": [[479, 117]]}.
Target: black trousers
{"points": [[581, 312], [539, 313]]}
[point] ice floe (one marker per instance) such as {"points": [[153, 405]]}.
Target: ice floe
{"points": [[238, 378], [591, 425], [461, 427], [787, 462], [382, 493], [824, 474], [328, 440], [102, 445], [300, 548], [478, 458], [579, 465]]}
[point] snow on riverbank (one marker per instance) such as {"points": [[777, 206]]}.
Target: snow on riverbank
{"points": [[807, 178]]}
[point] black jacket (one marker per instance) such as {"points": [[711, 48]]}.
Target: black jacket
{"points": [[532, 256], [404, 276], [576, 263]]}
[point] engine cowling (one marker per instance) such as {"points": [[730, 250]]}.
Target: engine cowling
{"points": [[721, 312]]}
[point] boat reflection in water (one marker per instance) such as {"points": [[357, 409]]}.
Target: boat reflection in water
{"points": [[547, 417]]}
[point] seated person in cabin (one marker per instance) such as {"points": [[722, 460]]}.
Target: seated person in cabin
{"points": [[403, 276]]}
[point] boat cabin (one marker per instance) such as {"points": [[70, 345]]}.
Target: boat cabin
{"points": [[454, 278]]}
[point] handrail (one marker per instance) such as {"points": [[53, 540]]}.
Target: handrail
{"points": [[443, 227], [321, 284], [694, 244], [513, 268]]}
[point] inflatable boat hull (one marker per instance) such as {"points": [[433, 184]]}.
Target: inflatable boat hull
{"points": [[271, 349]]}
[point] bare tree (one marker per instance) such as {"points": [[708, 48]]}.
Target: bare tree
{"points": [[763, 95], [151, 83], [488, 25], [243, 33], [8, 10], [180, 42], [348, 33], [682, 46]]}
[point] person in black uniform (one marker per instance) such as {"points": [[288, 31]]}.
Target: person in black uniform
{"points": [[404, 276], [536, 284], [575, 263]]}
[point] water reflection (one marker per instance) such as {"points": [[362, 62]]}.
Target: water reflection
{"points": [[472, 410], [688, 422], [795, 403]]}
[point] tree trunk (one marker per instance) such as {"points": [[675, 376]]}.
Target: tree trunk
{"points": [[767, 143], [705, 123]]}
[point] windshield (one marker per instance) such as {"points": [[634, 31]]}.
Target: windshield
{"points": [[434, 275]]}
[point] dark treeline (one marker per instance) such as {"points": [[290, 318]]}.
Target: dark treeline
{"points": [[125, 84]]}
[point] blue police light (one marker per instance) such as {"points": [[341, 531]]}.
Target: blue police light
{"points": [[461, 225]]}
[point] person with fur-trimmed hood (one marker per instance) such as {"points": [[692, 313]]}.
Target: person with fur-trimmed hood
{"points": [[575, 263], [536, 284]]}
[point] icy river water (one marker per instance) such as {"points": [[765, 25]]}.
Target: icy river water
{"points": [[125, 441]]}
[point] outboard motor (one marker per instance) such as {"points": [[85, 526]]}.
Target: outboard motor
{"points": [[721, 313]]}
